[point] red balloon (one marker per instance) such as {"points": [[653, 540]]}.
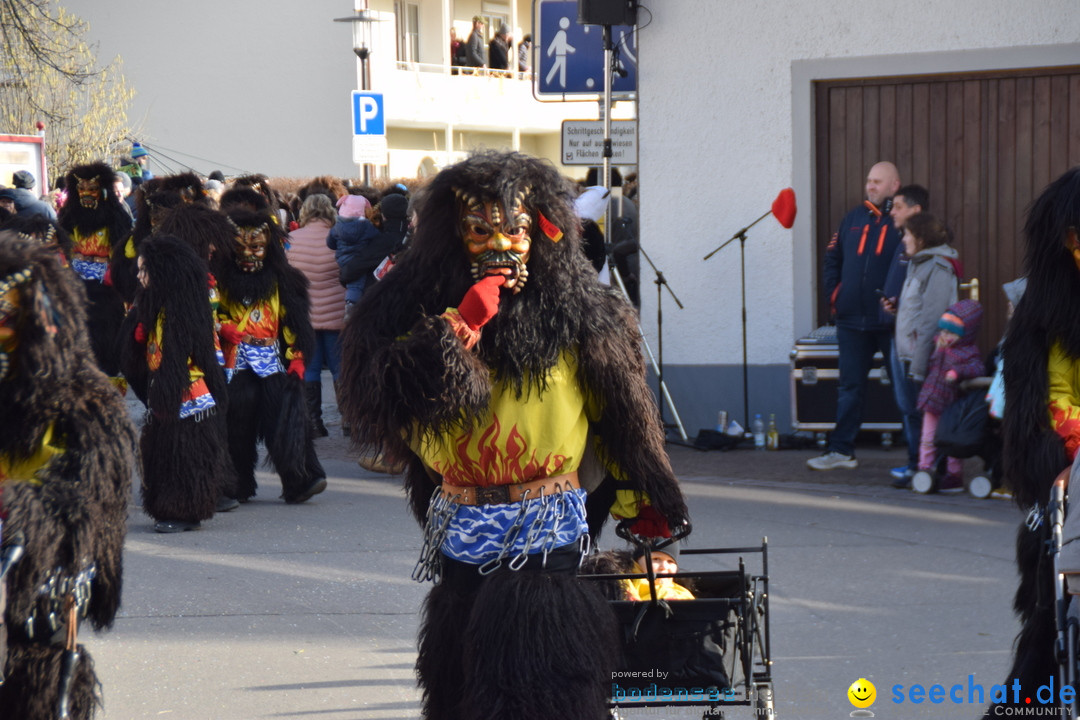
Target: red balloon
{"points": [[783, 207]]}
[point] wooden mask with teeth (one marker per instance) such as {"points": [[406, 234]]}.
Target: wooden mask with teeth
{"points": [[496, 237]]}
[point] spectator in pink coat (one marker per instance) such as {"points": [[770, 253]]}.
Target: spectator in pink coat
{"points": [[308, 253]]}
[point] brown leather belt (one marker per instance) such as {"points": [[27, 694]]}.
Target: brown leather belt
{"points": [[502, 494], [258, 342], [89, 258]]}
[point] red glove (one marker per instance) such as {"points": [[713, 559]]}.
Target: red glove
{"points": [[650, 523], [481, 302], [296, 367], [231, 334], [107, 280], [140, 333]]}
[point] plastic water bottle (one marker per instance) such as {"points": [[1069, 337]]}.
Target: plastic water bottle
{"points": [[772, 438], [759, 433]]}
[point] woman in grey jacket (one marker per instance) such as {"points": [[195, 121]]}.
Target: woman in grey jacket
{"points": [[930, 288]]}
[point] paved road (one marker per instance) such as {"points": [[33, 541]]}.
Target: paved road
{"points": [[277, 611]]}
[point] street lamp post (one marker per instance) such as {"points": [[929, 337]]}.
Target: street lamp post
{"points": [[361, 31]]}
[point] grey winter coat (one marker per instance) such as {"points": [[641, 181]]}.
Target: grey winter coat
{"points": [[930, 288]]}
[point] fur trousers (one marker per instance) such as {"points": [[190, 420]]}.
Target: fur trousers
{"points": [[272, 410], [527, 645], [1033, 660], [104, 316], [32, 688], [185, 468]]}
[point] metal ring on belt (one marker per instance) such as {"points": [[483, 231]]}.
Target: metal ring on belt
{"points": [[503, 494]]}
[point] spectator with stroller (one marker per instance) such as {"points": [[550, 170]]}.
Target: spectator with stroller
{"points": [[857, 261], [348, 238], [930, 286], [308, 252], [955, 359]]}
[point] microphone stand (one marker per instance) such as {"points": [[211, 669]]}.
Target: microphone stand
{"points": [[741, 237], [661, 283], [609, 68]]}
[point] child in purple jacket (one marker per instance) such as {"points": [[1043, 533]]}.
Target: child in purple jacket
{"points": [[955, 358]]}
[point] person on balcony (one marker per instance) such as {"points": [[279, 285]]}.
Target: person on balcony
{"points": [[474, 48], [499, 51]]}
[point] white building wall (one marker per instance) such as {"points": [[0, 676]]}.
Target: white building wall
{"points": [[726, 123], [248, 85], [718, 127]]}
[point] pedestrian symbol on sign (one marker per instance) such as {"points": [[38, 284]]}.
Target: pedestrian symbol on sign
{"points": [[559, 47], [571, 57]]}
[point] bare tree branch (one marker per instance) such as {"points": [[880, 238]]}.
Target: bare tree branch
{"points": [[49, 74]]}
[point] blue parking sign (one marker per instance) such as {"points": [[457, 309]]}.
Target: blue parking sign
{"points": [[570, 57], [367, 113]]}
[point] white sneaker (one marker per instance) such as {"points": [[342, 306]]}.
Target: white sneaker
{"points": [[831, 461]]}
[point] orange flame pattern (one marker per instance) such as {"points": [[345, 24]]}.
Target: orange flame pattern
{"points": [[493, 460], [1065, 420]]}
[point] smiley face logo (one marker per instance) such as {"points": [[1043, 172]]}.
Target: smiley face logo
{"points": [[862, 693]]}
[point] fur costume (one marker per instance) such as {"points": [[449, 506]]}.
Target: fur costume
{"points": [[99, 227], [1033, 432], [44, 231], [260, 185], [155, 199], [66, 447], [555, 375], [172, 363], [266, 335]]}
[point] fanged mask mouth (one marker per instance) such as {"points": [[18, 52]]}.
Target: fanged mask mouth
{"points": [[507, 264]]}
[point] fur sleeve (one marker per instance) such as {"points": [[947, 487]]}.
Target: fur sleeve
{"points": [[293, 293], [425, 380], [1033, 453], [613, 370], [78, 513]]}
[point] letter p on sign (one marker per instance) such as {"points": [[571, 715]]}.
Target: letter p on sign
{"points": [[368, 117]]}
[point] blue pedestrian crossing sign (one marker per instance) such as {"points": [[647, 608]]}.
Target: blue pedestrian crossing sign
{"points": [[368, 116], [570, 57]]}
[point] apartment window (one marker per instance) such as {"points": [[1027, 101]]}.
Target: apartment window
{"points": [[492, 23], [407, 18]]}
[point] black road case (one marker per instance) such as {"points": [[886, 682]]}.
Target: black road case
{"points": [[815, 377]]}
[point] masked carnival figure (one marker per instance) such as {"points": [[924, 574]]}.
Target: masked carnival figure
{"points": [[66, 454], [1041, 424], [171, 362], [266, 334], [492, 359], [155, 199], [99, 228]]}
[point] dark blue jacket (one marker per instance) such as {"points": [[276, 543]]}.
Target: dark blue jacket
{"points": [[856, 263], [28, 205], [894, 283]]}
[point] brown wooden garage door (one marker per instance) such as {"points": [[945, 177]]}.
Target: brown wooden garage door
{"points": [[983, 144]]}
